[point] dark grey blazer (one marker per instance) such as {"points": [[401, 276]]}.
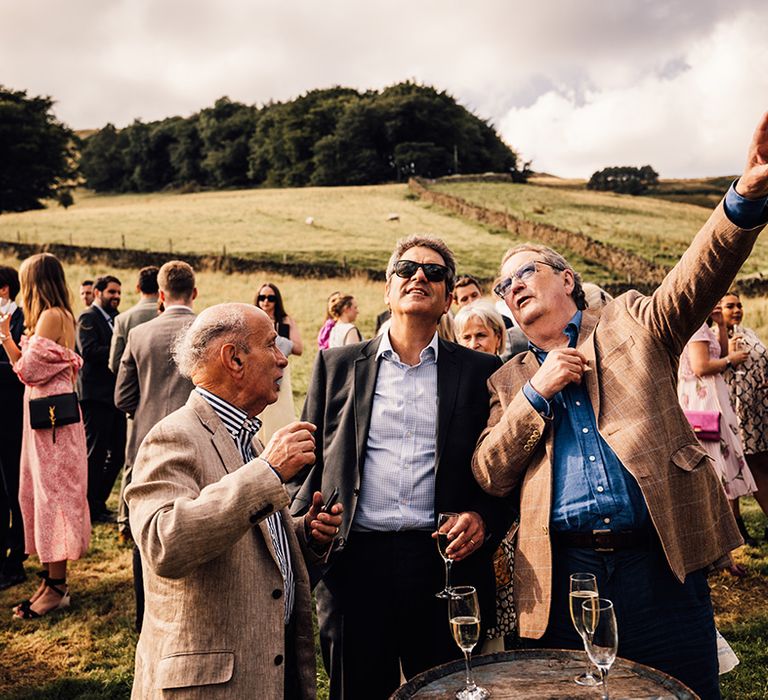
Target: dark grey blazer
{"points": [[94, 336], [340, 400]]}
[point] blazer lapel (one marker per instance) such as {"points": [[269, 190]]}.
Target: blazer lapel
{"points": [[448, 378], [586, 345], [366, 371]]}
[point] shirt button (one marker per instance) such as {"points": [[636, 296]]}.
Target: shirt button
{"points": [[578, 403], [591, 458], [277, 593], [606, 520], [600, 489], [278, 659], [585, 430]]}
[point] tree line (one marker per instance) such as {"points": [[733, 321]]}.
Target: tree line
{"points": [[335, 136]]}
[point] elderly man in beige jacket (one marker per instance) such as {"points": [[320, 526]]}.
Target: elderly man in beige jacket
{"points": [[227, 588]]}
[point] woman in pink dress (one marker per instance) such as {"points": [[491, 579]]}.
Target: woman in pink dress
{"points": [[52, 490]]}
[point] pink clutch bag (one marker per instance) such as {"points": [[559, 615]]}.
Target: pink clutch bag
{"points": [[706, 424]]}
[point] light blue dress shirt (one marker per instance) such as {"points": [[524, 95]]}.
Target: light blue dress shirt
{"points": [[397, 486]]}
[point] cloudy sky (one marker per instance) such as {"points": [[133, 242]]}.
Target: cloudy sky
{"points": [[574, 85]]}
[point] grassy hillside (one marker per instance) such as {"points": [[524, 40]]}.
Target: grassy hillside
{"points": [[656, 229], [87, 651]]}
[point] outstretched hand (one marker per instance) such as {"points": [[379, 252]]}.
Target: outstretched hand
{"points": [[753, 183]]}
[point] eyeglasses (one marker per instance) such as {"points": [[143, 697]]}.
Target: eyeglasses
{"points": [[523, 274], [266, 297], [432, 271]]}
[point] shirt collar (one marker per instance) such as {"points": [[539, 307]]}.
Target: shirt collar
{"points": [[428, 353], [235, 419], [107, 316], [571, 330]]}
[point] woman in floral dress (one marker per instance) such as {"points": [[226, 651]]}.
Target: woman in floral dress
{"points": [[748, 385], [53, 480], [701, 387]]}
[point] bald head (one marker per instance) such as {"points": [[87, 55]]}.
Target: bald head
{"points": [[213, 328], [230, 350]]}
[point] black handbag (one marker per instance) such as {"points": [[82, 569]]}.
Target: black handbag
{"points": [[49, 412]]}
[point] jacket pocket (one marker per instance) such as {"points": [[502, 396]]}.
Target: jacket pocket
{"points": [[689, 457], [186, 669]]}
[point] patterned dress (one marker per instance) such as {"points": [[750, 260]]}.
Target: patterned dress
{"points": [[54, 476], [749, 393], [710, 393]]}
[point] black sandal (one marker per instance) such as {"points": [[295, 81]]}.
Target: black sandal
{"points": [[24, 610]]}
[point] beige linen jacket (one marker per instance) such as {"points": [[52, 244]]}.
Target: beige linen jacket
{"points": [[213, 624], [633, 346]]}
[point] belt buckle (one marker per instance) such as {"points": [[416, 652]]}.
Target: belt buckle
{"points": [[597, 535]]}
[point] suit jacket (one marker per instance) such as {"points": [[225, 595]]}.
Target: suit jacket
{"points": [[94, 382], [213, 623], [634, 347], [149, 386], [340, 401], [139, 313]]}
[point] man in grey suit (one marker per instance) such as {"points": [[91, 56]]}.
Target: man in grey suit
{"points": [[228, 597], [141, 312], [149, 386]]}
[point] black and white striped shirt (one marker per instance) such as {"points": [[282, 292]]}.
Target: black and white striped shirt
{"points": [[243, 430]]}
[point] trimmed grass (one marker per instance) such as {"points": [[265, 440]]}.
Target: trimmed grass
{"points": [[350, 225], [658, 230]]}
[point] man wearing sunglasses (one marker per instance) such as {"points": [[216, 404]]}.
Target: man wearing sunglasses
{"points": [[613, 480], [397, 420]]}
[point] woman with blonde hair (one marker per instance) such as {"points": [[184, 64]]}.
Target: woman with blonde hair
{"points": [[53, 480], [344, 309], [480, 327]]}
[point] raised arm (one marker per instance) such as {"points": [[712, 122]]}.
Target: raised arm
{"points": [[705, 271]]}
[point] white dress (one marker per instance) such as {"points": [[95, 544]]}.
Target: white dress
{"points": [[339, 334]]}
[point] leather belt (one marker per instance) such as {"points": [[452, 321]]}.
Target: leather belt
{"points": [[604, 540]]}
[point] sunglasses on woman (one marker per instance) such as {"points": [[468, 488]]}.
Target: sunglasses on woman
{"points": [[266, 297], [432, 271]]}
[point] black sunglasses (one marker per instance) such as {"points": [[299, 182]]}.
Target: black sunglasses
{"points": [[266, 297], [432, 271]]}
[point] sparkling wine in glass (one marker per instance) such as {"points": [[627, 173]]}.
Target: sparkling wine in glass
{"points": [[583, 587], [602, 636], [464, 615], [445, 521]]}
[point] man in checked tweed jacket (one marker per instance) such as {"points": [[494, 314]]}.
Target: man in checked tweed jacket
{"points": [[612, 479]]}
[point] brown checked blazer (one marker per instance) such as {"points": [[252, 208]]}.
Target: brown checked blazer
{"points": [[213, 624], [633, 346]]}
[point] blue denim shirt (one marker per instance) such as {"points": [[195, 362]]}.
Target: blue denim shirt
{"points": [[591, 489]]}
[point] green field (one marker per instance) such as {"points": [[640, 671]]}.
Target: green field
{"points": [[87, 652], [656, 229]]}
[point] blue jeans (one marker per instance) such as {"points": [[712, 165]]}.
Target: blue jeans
{"points": [[662, 623]]}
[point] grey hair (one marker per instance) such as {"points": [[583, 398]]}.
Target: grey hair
{"points": [[424, 241], [558, 261], [487, 315], [214, 327]]}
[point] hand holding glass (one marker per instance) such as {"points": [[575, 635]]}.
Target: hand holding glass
{"points": [[582, 587], [464, 614], [602, 636], [445, 521]]}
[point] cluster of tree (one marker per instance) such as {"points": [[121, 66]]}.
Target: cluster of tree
{"points": [[337, 136], [624, 179], [37, 153]]}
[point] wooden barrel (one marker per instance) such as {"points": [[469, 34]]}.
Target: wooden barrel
{"points": [[542, 674]]}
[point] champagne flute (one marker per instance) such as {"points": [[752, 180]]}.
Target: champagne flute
{"points": [[602, 636], [464, 614], [445, 521], [583, 587]]}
